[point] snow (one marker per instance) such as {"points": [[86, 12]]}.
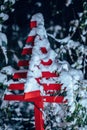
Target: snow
{"points": [[80, 14], [0, 27], [12, 1], [42, 43], [27, 46], [68, 2], [5, 53], [51, 68], [4, 16], [39, 18], [39, 4], [35, 67], [83, 102], [2, 7], [76, 74], [72, 44], [15, 57], [20, 43], [70, 78], [3, 44], [8, 70], [31, 85], [86, 22], [3, 38], [41, 32], [3, 77], [32, 32], [35, 72]]}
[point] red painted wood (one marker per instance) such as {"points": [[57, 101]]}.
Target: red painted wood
{"points": [[52, 87], [26, 62], [27, 51], [23, 63], [20, 86], [43, 50], [46, 74], [19, 75], [14, 97], [39, 123], [49, 62], [33, 24], [49, 74], [57, 99], [16, 86], [33, 94], [50, 99], [30, 39]]}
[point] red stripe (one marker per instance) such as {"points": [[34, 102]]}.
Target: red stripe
{"points": [[23, 63], [27, 51], [57, 99], [33, 94], [33, 24], [49, 62], [20, 75], [49, 74], [52, 86], [46, 74], [30, 39], [43, 50], [12, 97], [16, 86]]}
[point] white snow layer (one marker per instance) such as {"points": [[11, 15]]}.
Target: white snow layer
{"points": [[68, 2], [40, 31], [4, 16], [70, 80], [3, 77], [38, 18], [3, 38], [8, 70]]}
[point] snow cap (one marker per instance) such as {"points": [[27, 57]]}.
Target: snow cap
{"points": [[38, 18]]}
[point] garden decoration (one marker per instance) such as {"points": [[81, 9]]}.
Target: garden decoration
{"points": [[40, 79]]}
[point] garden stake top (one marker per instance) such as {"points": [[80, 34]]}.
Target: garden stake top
{"points": [[41, 76]]}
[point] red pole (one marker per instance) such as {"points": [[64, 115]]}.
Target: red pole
{"points": [[39, 122]]}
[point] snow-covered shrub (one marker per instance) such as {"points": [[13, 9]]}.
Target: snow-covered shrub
{"points": [[5, 7]]}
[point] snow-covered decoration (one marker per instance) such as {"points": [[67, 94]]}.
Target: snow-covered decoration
{"points": [[41, 54], [74, 87]]}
